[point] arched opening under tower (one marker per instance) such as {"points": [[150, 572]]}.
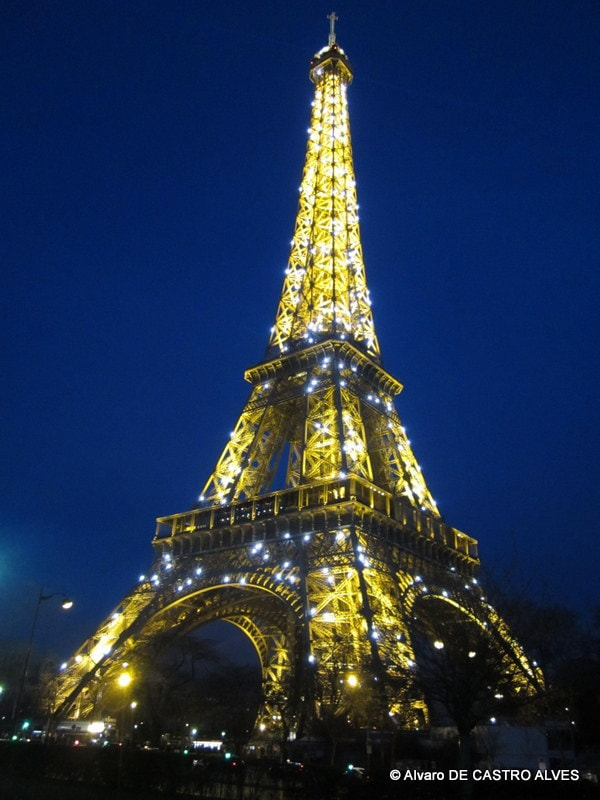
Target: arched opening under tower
{"points": [[217, 691], [182, 686], [233, 645], [209, 663]]}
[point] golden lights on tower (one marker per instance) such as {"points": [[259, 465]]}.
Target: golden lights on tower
{"points": [[323, 343], [325, 290], [324, 572]]}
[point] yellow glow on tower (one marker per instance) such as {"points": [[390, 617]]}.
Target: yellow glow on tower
{"points": [[325, 290], [322, 391], [327, 574]]}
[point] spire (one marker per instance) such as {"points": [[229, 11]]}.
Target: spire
{"points": [[332, 20], [325, 293]]}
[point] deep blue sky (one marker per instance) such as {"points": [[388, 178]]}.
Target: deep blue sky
{"points": [[151, 154]]}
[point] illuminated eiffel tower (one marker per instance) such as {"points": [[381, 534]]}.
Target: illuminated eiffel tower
{"points": [[324, 573]]}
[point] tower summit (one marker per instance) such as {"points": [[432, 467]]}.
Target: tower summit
{"points": [[315, 533], [321, 399], [325, 290]]}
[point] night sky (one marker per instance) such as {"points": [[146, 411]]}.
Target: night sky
{"points": [[151, 157]]}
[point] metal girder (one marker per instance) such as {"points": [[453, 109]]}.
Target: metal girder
{"points": [[324, 574], [335, 421], [325, 289], [331, 600]]}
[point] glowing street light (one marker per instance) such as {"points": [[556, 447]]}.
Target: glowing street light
{"points": [[124, 680], [65, 604]]}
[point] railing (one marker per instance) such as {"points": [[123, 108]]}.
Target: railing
{"points": [[315, 496]]}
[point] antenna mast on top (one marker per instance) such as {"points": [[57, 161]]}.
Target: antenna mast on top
{"points": [[332, 20]]}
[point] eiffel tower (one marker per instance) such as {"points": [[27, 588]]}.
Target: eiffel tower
{"points": [[325, 572]]}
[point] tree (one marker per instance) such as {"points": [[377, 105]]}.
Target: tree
{"points": [[31, 692], [12, 659], [167, 672], [568, 653], [230, 700], [469, 668]]}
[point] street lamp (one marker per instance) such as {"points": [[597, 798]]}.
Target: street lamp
{"points": [[124, 680], [65, 604]]}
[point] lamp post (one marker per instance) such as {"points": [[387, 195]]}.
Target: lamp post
{"points": [[124, 681], [66, 604]]}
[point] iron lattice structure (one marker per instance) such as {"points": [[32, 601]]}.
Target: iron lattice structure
{"points": [[325, 573]]}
